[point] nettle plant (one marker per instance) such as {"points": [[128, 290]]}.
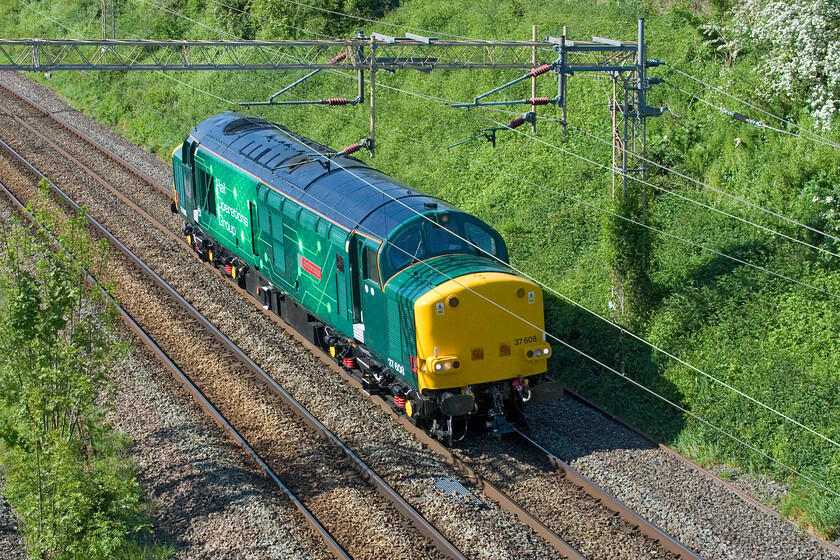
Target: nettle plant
{"points": [[798, 44]]}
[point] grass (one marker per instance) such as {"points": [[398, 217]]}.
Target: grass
{"points": [[755, 331]]}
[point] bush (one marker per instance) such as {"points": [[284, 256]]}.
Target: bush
{"points": [[66, 472]]}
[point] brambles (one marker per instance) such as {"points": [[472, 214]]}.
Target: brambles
{"points": [[797, 44]]}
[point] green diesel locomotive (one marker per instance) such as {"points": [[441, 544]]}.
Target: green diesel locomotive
{"points": [[412, 295]]}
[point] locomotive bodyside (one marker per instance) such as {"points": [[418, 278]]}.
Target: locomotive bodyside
{"points": [[401, 286]]}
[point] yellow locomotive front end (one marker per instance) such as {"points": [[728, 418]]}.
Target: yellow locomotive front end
{"points": [[481, 339]]}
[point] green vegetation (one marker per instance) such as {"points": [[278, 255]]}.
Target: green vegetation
{"points": [[67, 472], [723, 303]]}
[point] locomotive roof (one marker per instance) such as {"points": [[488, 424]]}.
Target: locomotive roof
{"points": [[344, 189]]}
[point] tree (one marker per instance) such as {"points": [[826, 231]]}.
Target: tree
{"points": [[798, 45]]}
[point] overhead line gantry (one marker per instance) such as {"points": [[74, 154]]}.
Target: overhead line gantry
{"points": [[624, 61], [361, 54]]}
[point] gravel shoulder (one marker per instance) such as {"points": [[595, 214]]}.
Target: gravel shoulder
{"points": [[697, 510], [208, 500], [11, 541]]}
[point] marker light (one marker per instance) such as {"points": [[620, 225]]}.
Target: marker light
{"points": [[537, 351], [443, 364]]}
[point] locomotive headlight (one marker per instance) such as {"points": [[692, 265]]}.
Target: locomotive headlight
{"points": [[536, 352], [447, 366], [438, 366]]}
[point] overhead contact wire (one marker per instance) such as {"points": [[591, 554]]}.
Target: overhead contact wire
{"points": [[813, 135], [633, 335], [693, 368]]}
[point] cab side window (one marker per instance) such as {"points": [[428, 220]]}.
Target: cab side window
{"points": [[406, 248], [369, 268]]}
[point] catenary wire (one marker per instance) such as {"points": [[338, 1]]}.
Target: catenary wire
{"points": [[664, 352], [814, 135], [634, 336], [733, 197], [647, 183], [758, 124]]}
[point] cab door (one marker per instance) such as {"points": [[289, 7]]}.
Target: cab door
{"points": [[371, 328], [187, 155]]}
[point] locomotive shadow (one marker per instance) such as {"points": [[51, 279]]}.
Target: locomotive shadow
{"points": [[614, 371]]}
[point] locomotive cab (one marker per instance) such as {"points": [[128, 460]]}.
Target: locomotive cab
{"points": [[470, 336]]}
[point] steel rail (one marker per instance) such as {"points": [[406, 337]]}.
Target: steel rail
{"points": [[367, 473], [489, 489], [93, 175], [626, 513], [83, 137], [493, 492], [429, 441], [167, 362], [831, 547]]}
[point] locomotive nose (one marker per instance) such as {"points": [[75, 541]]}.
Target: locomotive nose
{"points": [[480, 327]]}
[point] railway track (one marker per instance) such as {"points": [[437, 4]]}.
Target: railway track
{"points": [[173, 368], [82, 157], [309, 477], [620, 528]]}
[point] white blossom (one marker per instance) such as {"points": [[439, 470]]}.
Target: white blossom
{"points": [[799, 44]]}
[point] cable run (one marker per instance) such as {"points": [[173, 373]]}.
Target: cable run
{"points": [[633, 335], [661, 189], [814, 135], [664, 352], [732, 196]]}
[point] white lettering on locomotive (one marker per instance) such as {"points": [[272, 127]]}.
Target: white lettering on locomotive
{"points": [[233, 213], [230, 228], [399, 368]]}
